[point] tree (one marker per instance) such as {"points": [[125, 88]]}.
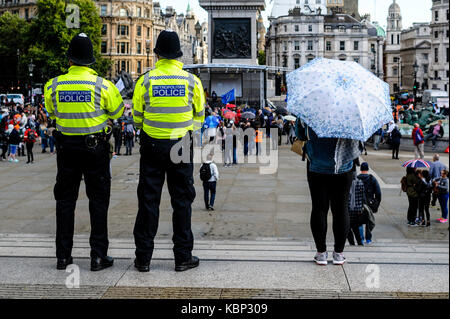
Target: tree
{"points": [[12, 34], [262, 58], [49, 37]]}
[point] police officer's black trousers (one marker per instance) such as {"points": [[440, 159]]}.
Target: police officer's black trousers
{"points": [[155, 163], [75, 160]]}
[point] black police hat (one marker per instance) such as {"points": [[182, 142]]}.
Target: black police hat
{"points": [[81, 51], [168, 45]]}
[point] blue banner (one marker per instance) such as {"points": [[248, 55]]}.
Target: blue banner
{"points": [[228, 97]]}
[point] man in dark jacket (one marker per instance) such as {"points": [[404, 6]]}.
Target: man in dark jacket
{"points": [[372, 192], [396, 137]]}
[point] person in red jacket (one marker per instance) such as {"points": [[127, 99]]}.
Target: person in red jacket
{"points": [[419, 143], [30, 138]]}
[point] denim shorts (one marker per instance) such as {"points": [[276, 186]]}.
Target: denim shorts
{"points": [[13, 149]]}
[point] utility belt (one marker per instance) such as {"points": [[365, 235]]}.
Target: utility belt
{"points": [[91, 141]]}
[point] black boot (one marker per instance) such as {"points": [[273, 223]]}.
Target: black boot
{"points": [[98, 263], [192, 263]]}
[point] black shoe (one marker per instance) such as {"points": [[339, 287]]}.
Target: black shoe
{"points": [[192, 263], [62, 263], [98, 263], [142, 267], [211, 208]]}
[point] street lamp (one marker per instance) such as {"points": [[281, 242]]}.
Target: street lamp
{"points": [[30, 69], [147, 49], [416, 69]]}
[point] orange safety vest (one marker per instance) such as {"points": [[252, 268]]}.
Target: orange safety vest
{"points": [[259, 136]]}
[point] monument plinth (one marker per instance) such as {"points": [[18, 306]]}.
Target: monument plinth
{"points": [[233, 30]]}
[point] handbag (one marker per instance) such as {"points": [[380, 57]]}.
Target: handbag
{"points": [[297, 147]]}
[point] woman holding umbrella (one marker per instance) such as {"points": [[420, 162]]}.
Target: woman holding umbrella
{"points": [[340, 105]]}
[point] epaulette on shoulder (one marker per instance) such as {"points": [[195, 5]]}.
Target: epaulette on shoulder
{"points": [[140, 76]]}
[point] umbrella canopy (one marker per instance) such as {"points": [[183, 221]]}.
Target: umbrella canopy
{"points": [[281, 110], [248, 115], [229, 115], [248, 109], [290, 118], [339, 99], [416, 163], [230, 106]]}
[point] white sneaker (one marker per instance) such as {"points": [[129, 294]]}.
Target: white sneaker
{"points": [[321, 259], [338, 258]]}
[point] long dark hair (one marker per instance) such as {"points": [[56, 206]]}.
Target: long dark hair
{"points": [[410, 170]]}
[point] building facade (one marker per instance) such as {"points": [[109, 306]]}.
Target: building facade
{"points": [[282, 7], [26, 9], [350, 7], [415, 45], [130, 29], [298, 38], [439, 55], [393, 69]]}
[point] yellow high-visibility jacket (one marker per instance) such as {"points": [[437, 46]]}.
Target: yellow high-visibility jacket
{"points": [[168, 101], [82, 102]]}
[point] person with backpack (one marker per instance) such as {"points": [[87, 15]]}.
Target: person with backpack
{"points": [[424, 190], [410, 184], [30, 138], [372, 198], [209, 174], [419, 143], [355, 209], [44, 138], [117, 133], [129, 137]]}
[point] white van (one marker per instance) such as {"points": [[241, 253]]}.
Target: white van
{"points": [[434, 96], [16, 98]]}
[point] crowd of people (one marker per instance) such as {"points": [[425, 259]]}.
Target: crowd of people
{"points": [[424, 188], [20, 130]]}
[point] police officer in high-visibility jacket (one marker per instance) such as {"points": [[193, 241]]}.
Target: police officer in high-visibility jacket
{"points": [[168, 104], [81, 103]]}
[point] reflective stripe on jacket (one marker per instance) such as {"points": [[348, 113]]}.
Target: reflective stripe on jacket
{"points": [[168, 101], [82, 102]]}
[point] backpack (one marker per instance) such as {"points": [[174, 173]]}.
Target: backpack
{"points": [[31, 136], [404, 184], [205, 172]]}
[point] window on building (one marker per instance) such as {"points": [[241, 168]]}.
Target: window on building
{"points": [[436, 55], [341, 28], [139, 30], [356, 59], [139, 11], [139, 67], [148, 32], [285, 61], [436, 34], [436, 15], [310, 28], [398, 38], [328, 28], [26, 14], [123, 13], [310, 45], [103, 9], [328, 46], [356, 45], [297, 28], [310, 58], [396, 59], [395, 71], [392, 39], [284, 46], [122, 30], [139, 48], [104, 47], [342, 45], [297, 45], [425, 68], [285, 28], [104, 29], [296, 63], [123, 65]]}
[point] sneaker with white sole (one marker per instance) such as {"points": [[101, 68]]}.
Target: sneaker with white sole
{"points": [[338, 258], [321, 259]]}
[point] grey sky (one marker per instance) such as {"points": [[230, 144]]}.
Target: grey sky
{"points": [[412, 10]]}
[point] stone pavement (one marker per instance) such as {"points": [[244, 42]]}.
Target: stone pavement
{"points": [[267, 268], [258, 237]]}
